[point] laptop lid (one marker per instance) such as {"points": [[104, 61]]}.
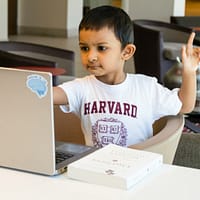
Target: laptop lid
{"points": [[26, 121]]}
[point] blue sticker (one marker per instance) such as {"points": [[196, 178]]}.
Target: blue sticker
{"points": [[37, 84]]}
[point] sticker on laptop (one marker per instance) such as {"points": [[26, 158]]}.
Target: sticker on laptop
{"points": [[37, 84]]}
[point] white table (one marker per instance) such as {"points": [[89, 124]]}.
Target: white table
{"points": [[167, 183]]}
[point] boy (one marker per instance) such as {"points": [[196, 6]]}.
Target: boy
{"points": [[115, 107]]}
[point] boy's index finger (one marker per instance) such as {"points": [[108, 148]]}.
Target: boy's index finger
{"points": [[189, 46], [191, 39]]}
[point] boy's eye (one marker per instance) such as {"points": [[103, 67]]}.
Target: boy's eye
{"points": [[102, 48], [84, 48]]}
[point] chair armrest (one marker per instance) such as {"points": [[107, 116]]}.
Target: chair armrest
{"points": [[164, 142]]}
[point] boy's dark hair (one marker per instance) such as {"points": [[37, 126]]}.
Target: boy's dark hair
{"points": [[112, 17]]}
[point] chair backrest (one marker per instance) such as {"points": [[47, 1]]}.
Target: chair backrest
{"points": [[8, 59], [14, 53], [148, 44], [170, 32], [149, 37], [67, 127], [187, 21], [167, 132]]}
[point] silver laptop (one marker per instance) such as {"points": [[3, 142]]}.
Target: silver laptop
{"points": [[27, 140]]}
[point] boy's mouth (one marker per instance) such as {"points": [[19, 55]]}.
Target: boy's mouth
{"points": [[92, 67]]}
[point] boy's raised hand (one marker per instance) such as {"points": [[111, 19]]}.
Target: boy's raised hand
{"points": [[190, 55]]}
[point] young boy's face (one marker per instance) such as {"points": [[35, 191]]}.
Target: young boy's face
{"points": [[101, 55]]}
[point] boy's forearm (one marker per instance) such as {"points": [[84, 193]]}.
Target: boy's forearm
{"points": [[187, 93], [59, 96]]}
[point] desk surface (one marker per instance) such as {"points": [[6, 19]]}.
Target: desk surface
{"points": [[168, 182]]}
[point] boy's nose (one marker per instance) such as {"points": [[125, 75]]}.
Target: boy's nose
{"points": [[92, 60], [92, 57]]}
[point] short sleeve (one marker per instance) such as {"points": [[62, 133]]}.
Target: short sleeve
{"points": [[167, 101], [73, 90]]}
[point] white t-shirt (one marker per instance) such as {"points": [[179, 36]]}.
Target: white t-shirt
{"points": [[122, 114]]}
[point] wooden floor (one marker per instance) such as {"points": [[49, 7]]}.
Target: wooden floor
{"points": [[192, 8]]}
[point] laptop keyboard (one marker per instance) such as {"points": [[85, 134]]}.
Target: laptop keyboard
{"points": [[61, 156]]}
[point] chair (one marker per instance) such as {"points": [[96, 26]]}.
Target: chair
{"points": [[187, 21], [14, 54], [8, 59], [67, 127], [157, 46], [167, 132]]}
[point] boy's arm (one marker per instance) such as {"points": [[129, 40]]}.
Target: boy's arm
{"points": [[59, 96], [190, 60]]}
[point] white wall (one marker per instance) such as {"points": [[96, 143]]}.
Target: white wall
{"points": [[74, 16], [42, 13], [154, 9], [3, 20], [49, 17]]}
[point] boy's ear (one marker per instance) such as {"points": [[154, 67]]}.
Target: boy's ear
{"points": [[128, 51]]}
